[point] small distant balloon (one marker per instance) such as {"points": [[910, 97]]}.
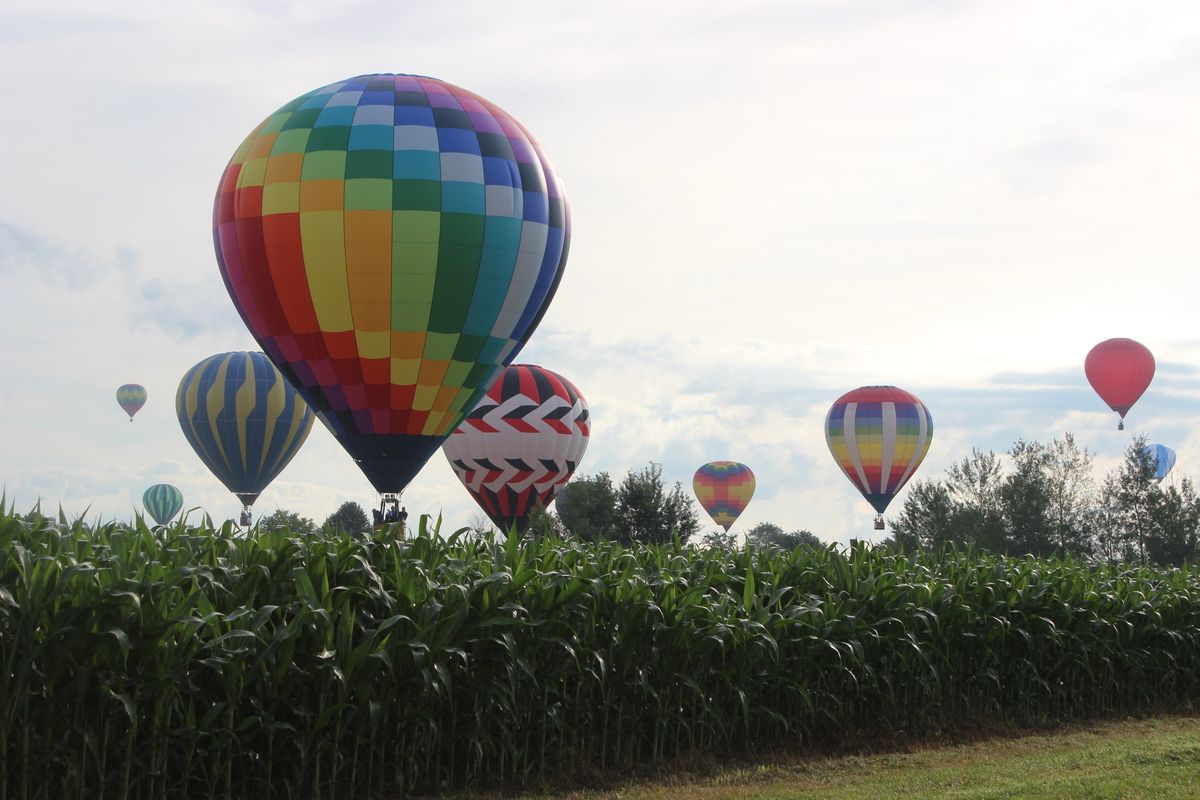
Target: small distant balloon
{"points": [[1119, 370], [162, 502], [724, 489], [242, 418], [521, 443], [1162, 457], [878, 435], [131, 397]]}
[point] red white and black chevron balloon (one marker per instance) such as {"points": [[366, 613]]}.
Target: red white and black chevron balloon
{"points": [[521, 443]]}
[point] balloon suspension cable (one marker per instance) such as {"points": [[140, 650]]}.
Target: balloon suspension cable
{"points": [[879, 522]]}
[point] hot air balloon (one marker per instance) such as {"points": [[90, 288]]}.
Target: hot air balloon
{"points": [[162, 501], [1162, 457], [131, 397], [391, 241], [521, 444], [1119, 370], [724, 489], [878, 435], [243, 420]]}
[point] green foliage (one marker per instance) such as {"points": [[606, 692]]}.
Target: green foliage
{"points": [[349, 518], [587, 508], [647, 512], [541, 522], [287, 522], [641, 509], [197, 662], [768, 534], [1048, 505]]}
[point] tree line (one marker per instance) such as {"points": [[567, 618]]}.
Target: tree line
{"points": [[1045, 503], [1048, 503]]}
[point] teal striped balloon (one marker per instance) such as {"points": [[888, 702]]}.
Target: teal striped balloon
{"points": [[243, 420], [162, 501]]}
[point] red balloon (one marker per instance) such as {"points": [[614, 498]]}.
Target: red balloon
{"points": [[1119, 370]]}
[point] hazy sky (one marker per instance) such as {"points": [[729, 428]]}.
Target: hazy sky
{"points": [[773, 203]]}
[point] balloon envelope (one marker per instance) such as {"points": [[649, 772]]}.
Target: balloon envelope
{"points": [[1119, 370], [724, 489], [878, 435], [131, 397], [521, 444], [1162, 457], [391, 241], [243, 420], [162, 501]]}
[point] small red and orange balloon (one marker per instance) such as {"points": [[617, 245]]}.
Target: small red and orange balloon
{"points": [[724, 489]]}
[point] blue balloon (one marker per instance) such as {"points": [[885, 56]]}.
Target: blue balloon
{"points": [[243, 420], [1162, 457]]}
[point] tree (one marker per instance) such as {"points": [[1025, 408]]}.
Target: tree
{"points": [[1176, 517], [541, 522], [767, 534], [1127, 498], [1071, 495], [647, 512], [975, 484], [289, 520], [587, 508], [929, 517], [349, 518], [1025, 501], [715, 538]]}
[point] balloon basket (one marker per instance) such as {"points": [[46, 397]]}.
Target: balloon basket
{"points": [[879, 525]]}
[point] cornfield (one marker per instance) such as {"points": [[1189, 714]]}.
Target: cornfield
{"points": [[189, 662]]}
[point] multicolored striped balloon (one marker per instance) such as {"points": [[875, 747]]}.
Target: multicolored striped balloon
{"points": [[724, 489], [131, 397], [243, 420], [521, 444], [162, 502], [1162, 457], [878, 435], [391, 241]]}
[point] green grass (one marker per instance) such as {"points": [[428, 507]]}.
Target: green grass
{"points": [[1155, 758]]}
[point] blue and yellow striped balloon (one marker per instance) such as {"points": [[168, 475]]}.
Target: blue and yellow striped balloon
{"points": [[162, 501], [243, 420]]}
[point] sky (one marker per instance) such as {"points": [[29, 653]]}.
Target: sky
{"points": [[772, 203]]}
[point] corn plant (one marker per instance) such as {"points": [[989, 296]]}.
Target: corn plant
{"points": [[190, 661]]}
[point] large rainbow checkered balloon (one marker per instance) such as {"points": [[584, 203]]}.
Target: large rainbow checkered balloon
{"points": [[391, 241], [878, 435]]}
